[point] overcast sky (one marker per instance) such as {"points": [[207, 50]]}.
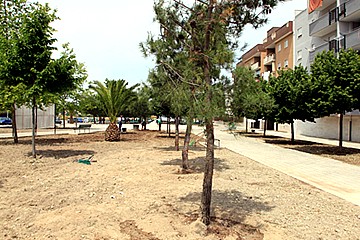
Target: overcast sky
{"points": [[105, 35]]}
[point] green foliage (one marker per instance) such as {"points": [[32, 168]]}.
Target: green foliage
{"points": [[292, 95], [249, 96], [114, 96], [195, 44], [140, 107], [335, 79]]}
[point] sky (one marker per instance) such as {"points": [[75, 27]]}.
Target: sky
{"points": [[105, 35]]}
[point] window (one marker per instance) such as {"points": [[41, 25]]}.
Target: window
{"points": [[299, 32], [279, 65], [279, 47], [299, 55], [286, 44], [286, 63]]}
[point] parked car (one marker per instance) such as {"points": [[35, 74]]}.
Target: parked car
{"points": [[58, 121], [78, 120], [5, 121]]}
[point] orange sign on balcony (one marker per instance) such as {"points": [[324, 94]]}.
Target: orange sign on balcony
{"points": [[314, 4]]}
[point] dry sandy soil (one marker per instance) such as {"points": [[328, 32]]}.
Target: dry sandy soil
{"points": [[134, 191]]}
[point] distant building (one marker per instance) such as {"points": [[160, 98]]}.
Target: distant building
{"points": [[275, 53], [324, 25], [327, 25], [45, 118]]}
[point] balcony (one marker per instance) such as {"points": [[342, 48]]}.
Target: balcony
{"points": [[353, 39], [319, 49], [269, 59], [323, 25], [255, 66], [351, 11]]}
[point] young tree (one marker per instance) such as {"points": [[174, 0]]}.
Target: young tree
{"points": [[335, 78], [30, 65], [11, 15], [141, 106], [249, 96], [292, 93], [208, 28], [114, 97]]}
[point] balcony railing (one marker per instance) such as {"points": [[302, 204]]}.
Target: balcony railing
{"points": [[353, 39], [319, 49], [350, 7], [269, 59], [321, 26], [255, 66]]}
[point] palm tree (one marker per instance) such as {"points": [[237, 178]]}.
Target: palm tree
{"points": [[114, 97]]}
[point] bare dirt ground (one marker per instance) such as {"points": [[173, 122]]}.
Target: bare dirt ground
{"points": [[134, 191]]}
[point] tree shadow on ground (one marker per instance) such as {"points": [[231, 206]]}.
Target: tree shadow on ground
{"points": [[232, 204], [64, 153], [172, 148], [166, 135], [327, 150], [284, 141], [197, 165]]}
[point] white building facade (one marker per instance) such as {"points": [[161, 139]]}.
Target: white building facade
{"points": [[333, 25]]}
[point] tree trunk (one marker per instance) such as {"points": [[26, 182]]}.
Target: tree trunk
{"points": [[185, 151], [33, 127], [168, 126], [292, 132], [14, 126], [55, 119], [341, 120], [265, 125], [112, 132], [208, 174], [177, 133], [64, 117], [246, 125], [36, 120]]}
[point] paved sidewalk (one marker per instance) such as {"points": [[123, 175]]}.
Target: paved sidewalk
{"points": [[335, 177]]}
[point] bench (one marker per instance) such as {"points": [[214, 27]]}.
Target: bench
{"points": [[83, 126], [135, 126]]}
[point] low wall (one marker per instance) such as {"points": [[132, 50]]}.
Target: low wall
{"points": [[328, 127]]}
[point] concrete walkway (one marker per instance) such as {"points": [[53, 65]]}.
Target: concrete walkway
{"points": [[332, 176]]}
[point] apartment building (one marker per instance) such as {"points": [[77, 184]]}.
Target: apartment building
{"points": [[327, 25], [279, 49], [275, 53], [334, 25], [254, 58]]}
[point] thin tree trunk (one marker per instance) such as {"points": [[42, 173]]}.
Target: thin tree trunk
{"points": [[265, 125], [64, 117], [168, 126], [36, 121], [55, 119], [33, 127], [177, 133], [185, 151], [208, 174], [246, 125], [292, 132], [209, 159], [341, 120], [14, 125]]}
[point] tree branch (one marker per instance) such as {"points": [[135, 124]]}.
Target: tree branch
{"points": [[181, 78]]}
